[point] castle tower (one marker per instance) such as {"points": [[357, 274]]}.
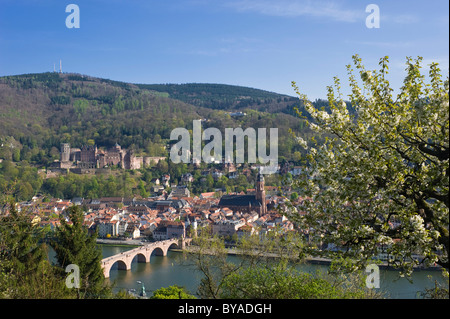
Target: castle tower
{"points": [[260, 193], [65, 152]]}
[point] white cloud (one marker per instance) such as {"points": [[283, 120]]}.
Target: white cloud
{"points": [[294, 8]]}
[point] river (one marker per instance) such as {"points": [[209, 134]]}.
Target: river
{"points": [[169, 270]]}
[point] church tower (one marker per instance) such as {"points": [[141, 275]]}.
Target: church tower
{"points": [[260, 193]]}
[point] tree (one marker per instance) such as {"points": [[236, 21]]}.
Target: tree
{"points": [[25, 271], [172, 292], [209, 182], [210, 258], [297, 156], [284, 281], [74, 245], [380, 181], [142, 191], [22, 240]]}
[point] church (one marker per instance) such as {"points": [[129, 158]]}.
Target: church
{"points": [[247, 203]]}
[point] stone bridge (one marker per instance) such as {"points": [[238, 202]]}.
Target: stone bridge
{"points": [[142, 253]]}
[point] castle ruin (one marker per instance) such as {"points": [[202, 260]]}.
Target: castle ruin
{"points": [[90, 157]]}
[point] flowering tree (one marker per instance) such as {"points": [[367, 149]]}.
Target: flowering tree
{"points": [[380, 180]]}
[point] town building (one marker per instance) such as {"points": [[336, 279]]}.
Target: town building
{"points": [[169, 229], [247, 203], [180, 191], [110, 227], [226, 227]]}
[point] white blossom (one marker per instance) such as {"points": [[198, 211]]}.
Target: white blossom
{"points": [[302, 142]]}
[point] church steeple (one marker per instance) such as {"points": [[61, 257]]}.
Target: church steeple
{"points": [[260, 193]]}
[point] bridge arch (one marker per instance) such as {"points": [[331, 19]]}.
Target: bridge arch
{"points": [[140, 258], [158, 251], [120, 265]]}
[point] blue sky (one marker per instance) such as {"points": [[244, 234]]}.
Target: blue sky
{"points": [[256, 43]]}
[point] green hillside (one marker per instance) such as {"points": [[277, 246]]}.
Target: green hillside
{"points": [[222, 96], [39, 111]]}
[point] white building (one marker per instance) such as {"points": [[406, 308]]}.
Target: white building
{"points": [[122, 228], [227, 227], [110, 227]]}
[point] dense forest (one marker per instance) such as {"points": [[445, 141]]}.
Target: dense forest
{"points": [[40, 111], [223, 97]]}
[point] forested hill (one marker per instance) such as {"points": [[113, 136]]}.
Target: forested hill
{"points": [[39, 111], [223, 97]]}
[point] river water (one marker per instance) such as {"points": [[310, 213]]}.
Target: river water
{"points": [[170, 270]]}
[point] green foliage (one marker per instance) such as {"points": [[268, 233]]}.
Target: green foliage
{"points": [[35, 80], [74, 185], [74, 245], [80, 106], [60, 99], [21, 238], [25, 271], [218, 96], [172, 292], [283, 282], [294, 196], [440, 291], [20, 180]]}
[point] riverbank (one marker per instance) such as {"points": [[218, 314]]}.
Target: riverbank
{"points": [[327, 262], [118, 242]]}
